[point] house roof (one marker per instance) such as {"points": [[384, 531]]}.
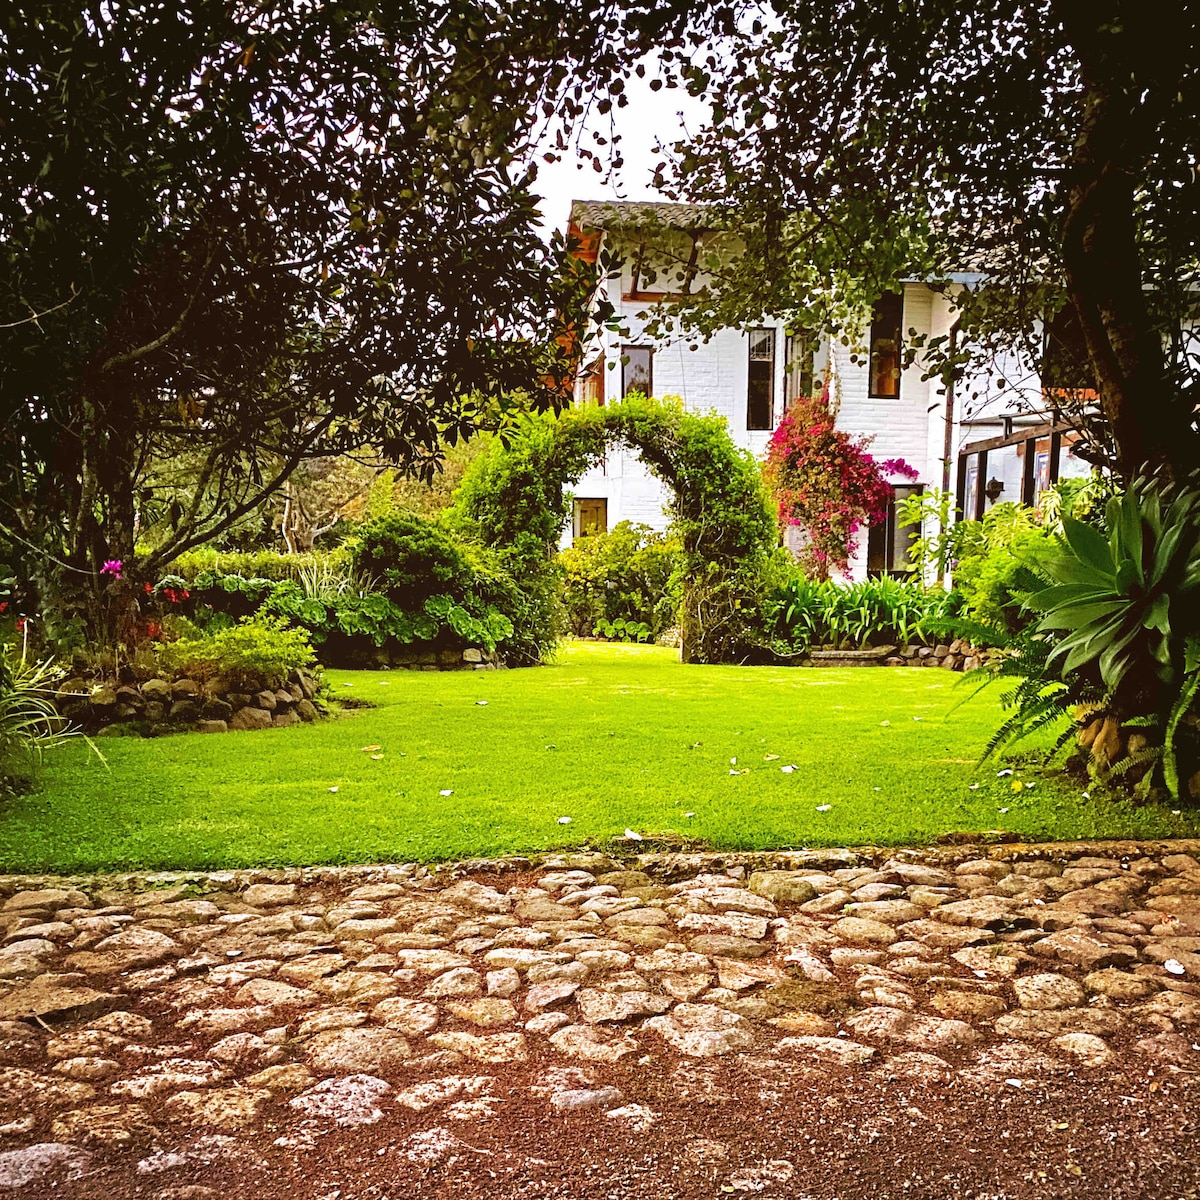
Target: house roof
{"points": [[589, 215], [592, 217]]}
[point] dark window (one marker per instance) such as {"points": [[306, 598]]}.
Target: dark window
{"points": [[591, 517], [885, 347], [798, 368], [1065, 362], [760, 392], [888, 541], [637, 370]]}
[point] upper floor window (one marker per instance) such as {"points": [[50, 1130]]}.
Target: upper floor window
{"points": [[884, 363], [760, 390], [637, 370], [797, 368]]}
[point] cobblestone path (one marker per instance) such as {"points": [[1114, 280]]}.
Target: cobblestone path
{"points": [[1003, 1022]]}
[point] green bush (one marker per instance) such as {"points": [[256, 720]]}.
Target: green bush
{"points": [[630, 573], [875, 612], [994, 571], [195, 566], [249, 655], [374, 616], [621, 630]]}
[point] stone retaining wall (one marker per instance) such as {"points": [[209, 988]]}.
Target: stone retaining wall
{"points": [[126, 704]]}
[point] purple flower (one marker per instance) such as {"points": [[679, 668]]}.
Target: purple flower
{"points": [[112, 567]]}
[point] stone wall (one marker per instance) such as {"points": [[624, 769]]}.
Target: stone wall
{"points": [[430, 658], [125, 703], [957, 656]]}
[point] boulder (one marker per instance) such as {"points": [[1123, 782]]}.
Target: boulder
{"points": [[251, 718]]}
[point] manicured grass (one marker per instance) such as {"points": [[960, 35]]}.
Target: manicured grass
{"points": [[610, 736]]}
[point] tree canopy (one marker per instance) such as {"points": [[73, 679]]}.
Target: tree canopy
{"points": [[237, 236], [1050, 146]]}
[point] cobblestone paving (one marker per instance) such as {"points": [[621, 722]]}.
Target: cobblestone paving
{"points": [[162, 1037]]}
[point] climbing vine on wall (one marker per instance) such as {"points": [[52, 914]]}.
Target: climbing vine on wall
{"points": [[826, 483], [516, 499]]}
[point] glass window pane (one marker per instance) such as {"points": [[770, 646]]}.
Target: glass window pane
{"points": [[885, 347], [798, 373], [760, 390], [637, 370]]}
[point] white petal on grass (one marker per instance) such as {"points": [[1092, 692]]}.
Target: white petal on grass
{"points": [[770, 757], [885, 722], [446, 792], [376, 757], [480, 703], [1006, 771], [689, 814], [333, 789], [824, 807], [733, 761], [1002, 810], [788, 769], [633, 837], [564, 820], [973, 786]]}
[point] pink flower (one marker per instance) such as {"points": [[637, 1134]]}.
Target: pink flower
{"points": [[112, 567]]}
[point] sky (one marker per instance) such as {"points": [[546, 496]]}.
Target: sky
{"points": [[649, 117]]}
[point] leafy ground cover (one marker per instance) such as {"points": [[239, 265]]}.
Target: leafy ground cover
{"points": [[612, 736]]}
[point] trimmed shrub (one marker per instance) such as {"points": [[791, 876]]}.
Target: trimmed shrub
{"points": [[249, 655]]}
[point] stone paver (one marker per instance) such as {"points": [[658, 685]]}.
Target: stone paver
{"points": [[141, 1018]]}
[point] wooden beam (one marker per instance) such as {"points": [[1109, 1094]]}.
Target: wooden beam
{"points": [[1030, 431]]}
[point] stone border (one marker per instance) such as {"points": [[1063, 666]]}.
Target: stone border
{"points": [[659, 865]]}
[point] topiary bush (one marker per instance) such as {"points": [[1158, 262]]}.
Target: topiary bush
{"points": [[515, 500]]}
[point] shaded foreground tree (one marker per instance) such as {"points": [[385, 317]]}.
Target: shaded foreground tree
{"points": [[235, 237], [1051, 145]]}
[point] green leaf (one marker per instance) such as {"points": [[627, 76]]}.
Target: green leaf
{"points": [[1089, 546]]}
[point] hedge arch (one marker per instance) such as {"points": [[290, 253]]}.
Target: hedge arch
{"points": [[515, 499]]}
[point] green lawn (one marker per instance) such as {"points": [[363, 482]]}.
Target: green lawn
{"points": [[610, 736]]}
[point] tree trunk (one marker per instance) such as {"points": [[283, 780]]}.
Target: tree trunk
{"points": [[1122, 72]]}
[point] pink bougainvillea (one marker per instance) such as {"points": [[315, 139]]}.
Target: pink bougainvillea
{"points": [[826, 483]]}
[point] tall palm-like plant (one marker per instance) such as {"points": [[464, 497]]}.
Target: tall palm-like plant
{"points": [[29, 722], [1123, 608]]}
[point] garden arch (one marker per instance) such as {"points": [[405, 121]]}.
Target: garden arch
{"points": [[514, 499]]}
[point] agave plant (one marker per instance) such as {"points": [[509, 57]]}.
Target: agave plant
{"points": [[1123, 609], [1127, 603]]}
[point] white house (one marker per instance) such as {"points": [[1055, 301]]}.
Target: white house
{"points": [[988, 446]]}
